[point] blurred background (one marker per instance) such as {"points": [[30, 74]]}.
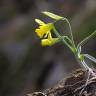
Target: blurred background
{"points": [[26, 66]]}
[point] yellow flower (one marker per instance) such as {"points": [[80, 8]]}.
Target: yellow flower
{"points": [[44, 32], [43, 28], [50, 41]]}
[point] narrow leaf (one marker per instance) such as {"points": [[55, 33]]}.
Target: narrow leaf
{"points": [[39, 21], [90, 57], [53, 16], [87, 38]]}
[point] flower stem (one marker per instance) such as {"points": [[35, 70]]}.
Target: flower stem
{"points": [[70, 31], [60, 37]]}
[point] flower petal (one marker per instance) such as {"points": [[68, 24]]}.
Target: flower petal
{"points": [[47, 42], [39, 22], [43, 29]]}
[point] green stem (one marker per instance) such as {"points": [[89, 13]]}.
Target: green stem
{"points": [[82, 62], [65, 19], [66, 37], [70, 31], [60, 37]]}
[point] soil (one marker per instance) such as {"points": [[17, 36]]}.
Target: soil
{"points": [[78, 83]]}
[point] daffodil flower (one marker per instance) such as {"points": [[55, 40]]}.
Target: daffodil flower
{"points": [[43, 28], [50, 41], [44, 32]]}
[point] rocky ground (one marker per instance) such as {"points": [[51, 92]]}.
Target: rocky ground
{"points": [[78, 83]]}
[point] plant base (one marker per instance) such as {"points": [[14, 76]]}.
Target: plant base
{"points": [[79, 83]]}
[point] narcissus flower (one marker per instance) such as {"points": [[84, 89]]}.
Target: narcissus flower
{"points": [[43, 28], [44, 32], [50, 41]]}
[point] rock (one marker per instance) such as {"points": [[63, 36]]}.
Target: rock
{"points": [[78, 83]]}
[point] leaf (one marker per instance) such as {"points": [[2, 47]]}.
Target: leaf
{"points": [[53, 16], [87, 38], [39, 21], [90, 57]]}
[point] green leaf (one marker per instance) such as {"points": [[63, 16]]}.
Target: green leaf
{"points": [[39, 21], [53, 16], [90, 57], [87, 38]]}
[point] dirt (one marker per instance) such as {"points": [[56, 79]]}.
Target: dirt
{"points": [[78, 83]]}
